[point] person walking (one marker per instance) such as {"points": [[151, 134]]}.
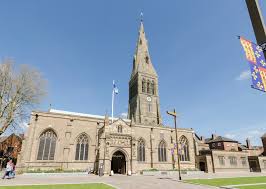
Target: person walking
{"points": [[9, 168]]}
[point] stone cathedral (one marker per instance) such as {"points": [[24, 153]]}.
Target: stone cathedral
{"points": [[75, 141]]}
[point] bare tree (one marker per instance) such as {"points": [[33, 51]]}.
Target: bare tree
{"points": [[20, 90]]}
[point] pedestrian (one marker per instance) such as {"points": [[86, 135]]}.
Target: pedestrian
{"points": [[12, 172], [8, 168]]}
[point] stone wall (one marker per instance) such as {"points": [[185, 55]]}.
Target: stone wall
{"points": [[262, 162], [104, 140], [227, 166]]}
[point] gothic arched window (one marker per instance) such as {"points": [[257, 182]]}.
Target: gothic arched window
{"points": [[143, 85], [141, 150], [82, 147], [148, 86], [184, 149], [47, 145], [152, 88], [162, 152], [119, 129]]}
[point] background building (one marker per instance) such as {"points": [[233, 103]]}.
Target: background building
{"points": [[10, 146]]}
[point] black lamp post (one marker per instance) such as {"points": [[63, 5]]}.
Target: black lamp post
{"points": [[176, 140]]}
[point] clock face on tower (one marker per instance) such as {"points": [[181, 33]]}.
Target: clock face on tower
{"points": [[148, 98]]}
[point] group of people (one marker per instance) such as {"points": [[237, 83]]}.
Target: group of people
{"points": [[10, 170]]}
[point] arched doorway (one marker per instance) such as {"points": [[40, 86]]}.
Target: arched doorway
{"points": [[202, 166], [118, 164]]}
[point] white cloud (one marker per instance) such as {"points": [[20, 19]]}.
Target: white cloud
{"points": [[244, 75], [230, 135], [253, 133], [123, 115]]}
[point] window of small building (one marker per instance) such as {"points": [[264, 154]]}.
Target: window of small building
{"points": [[221, 160], [233, 160], [219, 144], [244, 161], [10, 149]]}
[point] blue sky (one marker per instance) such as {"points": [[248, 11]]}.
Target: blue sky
{"points": [[81, 46]]}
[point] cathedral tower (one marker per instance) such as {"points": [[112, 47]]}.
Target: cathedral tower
{"points": [[144, 105]]}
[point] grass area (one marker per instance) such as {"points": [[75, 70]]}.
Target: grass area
{"points": [[61, 186], [228, 181], [253, 187]]}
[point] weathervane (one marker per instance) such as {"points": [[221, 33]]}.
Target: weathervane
{"points": [[141, 16]]}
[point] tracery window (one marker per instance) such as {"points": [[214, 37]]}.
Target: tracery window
{"points": [[82, 147], [148, 86], [184, 149], [152, 88], [143, 85], [47, 143], [141, 150], [162, 152]]}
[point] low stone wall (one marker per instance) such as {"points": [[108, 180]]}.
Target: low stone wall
{"points": [[171, 173], [56, 174]]}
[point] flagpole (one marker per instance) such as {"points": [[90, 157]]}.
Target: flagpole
{"points": [[113, 103]]}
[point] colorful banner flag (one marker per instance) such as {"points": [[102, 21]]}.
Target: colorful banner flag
{"points": [[257, 63]]}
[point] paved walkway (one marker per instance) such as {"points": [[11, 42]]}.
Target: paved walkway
{"points": [[118, 181]]}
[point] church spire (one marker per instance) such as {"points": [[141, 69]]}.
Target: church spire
{"points": [[142, 61], [144, 105]]}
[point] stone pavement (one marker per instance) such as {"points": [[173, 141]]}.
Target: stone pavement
{"points": [[120, 181], [117, 181]]}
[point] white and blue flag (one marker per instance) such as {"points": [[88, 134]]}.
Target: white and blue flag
{"points": [[115, 89]]}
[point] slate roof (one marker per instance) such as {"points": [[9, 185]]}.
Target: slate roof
{"points": [[221, 139], [243, 147]]}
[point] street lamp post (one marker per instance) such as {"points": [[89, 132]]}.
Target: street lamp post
{"points": [[176, 140]]}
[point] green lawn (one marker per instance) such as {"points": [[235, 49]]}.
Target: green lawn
{"points": [[61, 186], [228, 181], [253, 187]]}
